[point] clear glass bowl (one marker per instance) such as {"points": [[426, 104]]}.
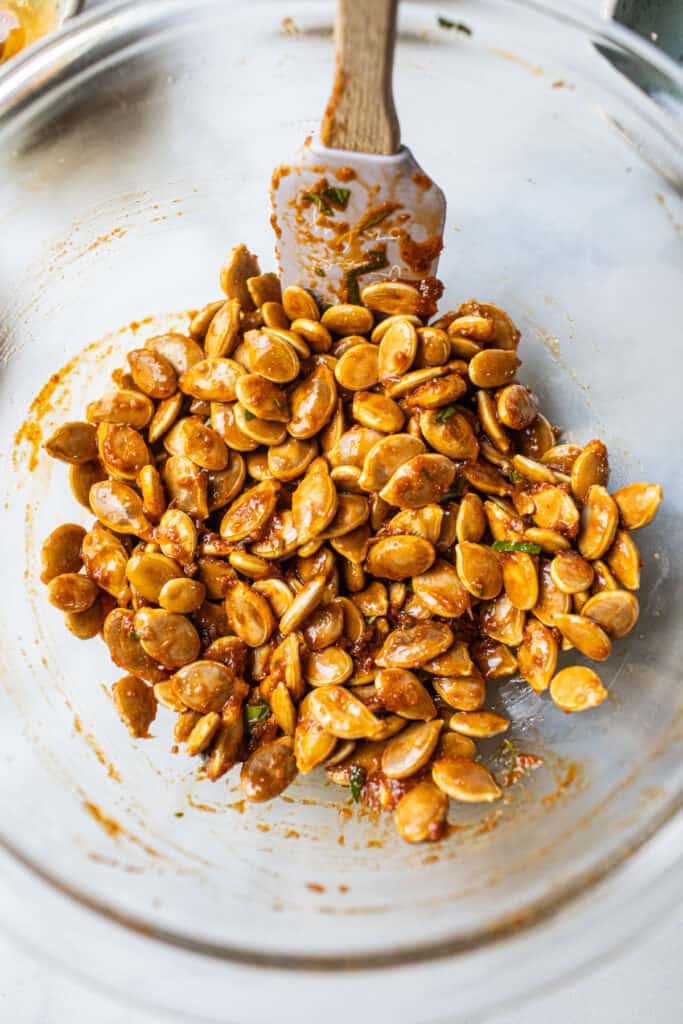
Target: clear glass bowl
{"points": [[136, 149]]}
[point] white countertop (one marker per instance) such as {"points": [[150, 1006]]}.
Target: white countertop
{"points": [[643, 982]]}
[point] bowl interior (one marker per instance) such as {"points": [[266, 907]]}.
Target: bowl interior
{"points": [[134, 159]]}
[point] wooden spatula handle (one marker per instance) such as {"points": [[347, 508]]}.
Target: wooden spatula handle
{"points": [[360, 114]]}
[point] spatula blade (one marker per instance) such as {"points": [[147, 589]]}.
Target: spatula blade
{"points": [[343, 220]]}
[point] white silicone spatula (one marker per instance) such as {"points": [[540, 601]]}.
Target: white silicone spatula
{"points": [[352, 206]]}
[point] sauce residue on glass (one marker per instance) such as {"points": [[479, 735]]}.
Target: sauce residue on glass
{"points": [[568, 780]]}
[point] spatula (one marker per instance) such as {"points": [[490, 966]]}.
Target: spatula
{"points": [[353, 206]]}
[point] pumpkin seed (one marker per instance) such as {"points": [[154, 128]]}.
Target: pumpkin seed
{"points": [[73, 442], [70, 592], [516, 407], [312, 402], [410, 751], [249, 614], [465, 780], [136, 705], [152, 373], [481, 724], [205, 686], [615, 611], [126, 408], [170, 639], [571, 573], [379, 412], [358, 367], [269, 770], [181, 352], [250, 512], [236, 271], [402, 692], [411, 647], [589, 467], [341, 713], [463, 693], [479, 570], [452, 436], [398, 557], [420, 815], [394, 298], [638, 504], [599, 521], [61, 552], [537, 655], [577, 689], [331, 666], [624, 560]]}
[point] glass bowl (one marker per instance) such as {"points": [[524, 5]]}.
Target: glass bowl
{"points": [[136, 150]]}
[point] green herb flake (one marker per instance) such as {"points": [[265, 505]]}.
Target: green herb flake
{"points": [[179, 814], [517, 545], [509, 746], [257, 713], [371, 618], [132, 635], [249, 415], [459, 26], [456, 492], [318, 199], [356, 781], [376, 219], [446, 413], [340, 196], [514, 477], [377, 261], [320, 272]]}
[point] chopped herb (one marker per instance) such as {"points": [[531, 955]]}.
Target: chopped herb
{"points": [[378, 259], [371, 618], [320, 272], [459, 26], [445, 414], [456, 492], [322, 200], [513, 476], [375, 219], [317, 198], [249, 415], [132, 635], [356, 781], [511, 749], [257, 712], [517, 545], [337, 195], [179, 814]]}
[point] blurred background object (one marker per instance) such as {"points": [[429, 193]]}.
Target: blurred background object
{"points": [[659, 21], [24, 21]]}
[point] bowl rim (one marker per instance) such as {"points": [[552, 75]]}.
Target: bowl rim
{"points": [[35, 74]]}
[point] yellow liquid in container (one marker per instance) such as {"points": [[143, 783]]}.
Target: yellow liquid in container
{"points": [[24, 21]]}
